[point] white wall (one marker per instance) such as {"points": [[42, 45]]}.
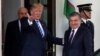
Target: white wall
{"points": [[96, 21], [62, 22]]}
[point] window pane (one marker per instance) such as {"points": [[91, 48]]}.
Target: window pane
{"points": [[43, 2], [33, 1], [44, 15]]}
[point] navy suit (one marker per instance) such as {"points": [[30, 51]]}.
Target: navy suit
{"points": [[90, 26], [33, 44], [81, 44], [12, 39]]}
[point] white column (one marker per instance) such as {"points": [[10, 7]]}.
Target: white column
{"points": [[22, 3]]}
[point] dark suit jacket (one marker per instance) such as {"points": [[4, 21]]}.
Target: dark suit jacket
{"points": [[90, 27], [81, 45], [12, 39], [33, 44]]}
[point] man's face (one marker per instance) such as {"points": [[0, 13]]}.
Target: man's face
{"points": [[36, 12], [88, 13], [22, 13], [75, 22]]}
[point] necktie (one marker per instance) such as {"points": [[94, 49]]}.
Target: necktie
{"points": [[40, 28], [71, 36]]}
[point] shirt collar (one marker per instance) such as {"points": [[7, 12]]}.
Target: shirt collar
{"points": [[84, 20], [75, 29], [36, 20]]}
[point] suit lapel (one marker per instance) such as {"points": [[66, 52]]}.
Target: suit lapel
{"points": [[44, 28], [36, 28], [77, 35], [67, 35], [17, 25]]}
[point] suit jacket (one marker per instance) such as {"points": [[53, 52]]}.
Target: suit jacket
{"points": [[90, 27], [12, 39], [81, 44], [33, 44]]}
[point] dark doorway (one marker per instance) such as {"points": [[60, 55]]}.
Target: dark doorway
{"points": [[49, 18]]}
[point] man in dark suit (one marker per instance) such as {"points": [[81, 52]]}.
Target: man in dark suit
{"points": [[77, 39], [13, 35], [85, 12], [35, 34]]}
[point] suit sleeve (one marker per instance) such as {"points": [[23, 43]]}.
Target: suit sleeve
{"points": [[24, 25], [92, 30], [53, 39], [88, 43], [50, 38], [65, 36]]}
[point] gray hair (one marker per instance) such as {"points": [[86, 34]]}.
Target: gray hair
{"points": [[74, 14]]}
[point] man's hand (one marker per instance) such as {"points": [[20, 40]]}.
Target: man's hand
{"points": [[31, 18]]}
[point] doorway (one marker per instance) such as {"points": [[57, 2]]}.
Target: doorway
{"points": [[49, 18]]}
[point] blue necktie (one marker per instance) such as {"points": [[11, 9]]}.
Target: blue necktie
{"points": [[40, 28]]}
